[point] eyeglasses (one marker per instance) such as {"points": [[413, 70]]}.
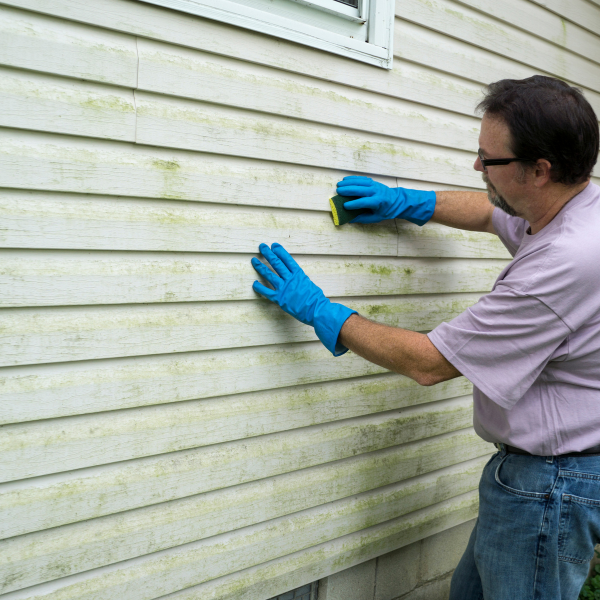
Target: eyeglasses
{"points": [[487, 162]]}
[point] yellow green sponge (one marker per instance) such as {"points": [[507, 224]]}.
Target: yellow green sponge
{"points": [[342, 215]]}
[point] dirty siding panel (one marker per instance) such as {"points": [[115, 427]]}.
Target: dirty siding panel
{"points": [[184, 474], [34, 449], [52, 503], [64, 164], [105, 224], [58, 499], [581, 12], [96, 223], [546, 25], [54, 278], [191, 125], [59, 105], [481, 30], [302, 567], [61, 47], [36, 558], [39, 102], [209, 78], [171, 570], [416, 42], [68, 164], [47, 391], [50, 335]]}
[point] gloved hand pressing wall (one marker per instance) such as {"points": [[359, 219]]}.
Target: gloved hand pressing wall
{"points": [[298, 296], [415, 206]]}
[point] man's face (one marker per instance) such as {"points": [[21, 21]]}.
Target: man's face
{"points": [[504, 188]]}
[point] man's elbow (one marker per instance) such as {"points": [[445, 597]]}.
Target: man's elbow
{"points": [[428, 379]]}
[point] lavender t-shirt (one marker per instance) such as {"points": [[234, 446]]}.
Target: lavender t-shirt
{"points": [[531, 346]]}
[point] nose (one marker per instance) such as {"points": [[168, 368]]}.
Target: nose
{"points": [[478, 166]]}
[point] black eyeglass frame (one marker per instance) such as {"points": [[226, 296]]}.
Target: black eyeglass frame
{"points": [[490, 162]]}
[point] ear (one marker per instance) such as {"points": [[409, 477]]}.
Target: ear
{"points": [[542, 172]]}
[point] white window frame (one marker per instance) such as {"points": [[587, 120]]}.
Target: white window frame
{"points": [[378, 16]]}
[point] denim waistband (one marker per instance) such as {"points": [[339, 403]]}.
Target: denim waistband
{"points": [[594, 451]]}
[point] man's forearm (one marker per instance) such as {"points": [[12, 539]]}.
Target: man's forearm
{"points": [[406, 352], [464, 210]]}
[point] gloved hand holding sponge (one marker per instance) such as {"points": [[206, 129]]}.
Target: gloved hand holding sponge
{"points": [[297, 295], [382, 202]]}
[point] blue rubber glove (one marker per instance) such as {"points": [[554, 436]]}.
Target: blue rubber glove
{"points": [[298, 296], [415, 206]]}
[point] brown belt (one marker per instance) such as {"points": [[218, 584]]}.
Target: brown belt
{"points": [[595, 451]]}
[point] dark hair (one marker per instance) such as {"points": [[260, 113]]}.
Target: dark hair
{"points": [[547, 118]]}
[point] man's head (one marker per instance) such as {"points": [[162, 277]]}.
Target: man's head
{"points": [[546, 123]]}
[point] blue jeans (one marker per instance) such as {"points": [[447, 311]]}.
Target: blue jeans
{"points": [[539, 520]]}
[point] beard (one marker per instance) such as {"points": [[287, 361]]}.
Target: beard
{"points": [[496, 199]]}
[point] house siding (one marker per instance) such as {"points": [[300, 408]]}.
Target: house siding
{"points": [[164, 432]]}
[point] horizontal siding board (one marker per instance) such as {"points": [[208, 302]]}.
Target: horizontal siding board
{"points": [[280, 575], [189, 125], [33, 449], [441, 241], [414, 83], [37, 336], [432, 419], [61, 498], [176, 71], [92, 223], [51, 278], [536, 20], [424, 46], [66, 164], [96, 224], [39, 557], [582, 12], [61, 47], [167, 571], [456, 20], [39, 102], [40, 392], [50, 391]]}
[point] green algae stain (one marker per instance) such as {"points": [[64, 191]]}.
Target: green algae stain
{"points": [[172, 179], [166, 165], [108, 103], [380, 270]]}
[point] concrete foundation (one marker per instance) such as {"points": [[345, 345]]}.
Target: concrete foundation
{"points": [[420, 571]]}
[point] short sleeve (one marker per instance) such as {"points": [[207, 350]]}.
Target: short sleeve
{"points": [[502, 343], [510, 230]]}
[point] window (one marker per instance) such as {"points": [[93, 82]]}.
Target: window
{"points": [[359, 29], [306, 592]]}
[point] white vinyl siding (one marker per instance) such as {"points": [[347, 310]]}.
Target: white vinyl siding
{"points": [[164, 432]]}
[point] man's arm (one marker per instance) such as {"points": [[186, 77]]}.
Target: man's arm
{"points": [[406, 352], [464, 210]]}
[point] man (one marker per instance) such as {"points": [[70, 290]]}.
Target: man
{"points": [[531, 346]]}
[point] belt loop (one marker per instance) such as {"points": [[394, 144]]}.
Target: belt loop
{"points": [[500, 447], [550, 459]]}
